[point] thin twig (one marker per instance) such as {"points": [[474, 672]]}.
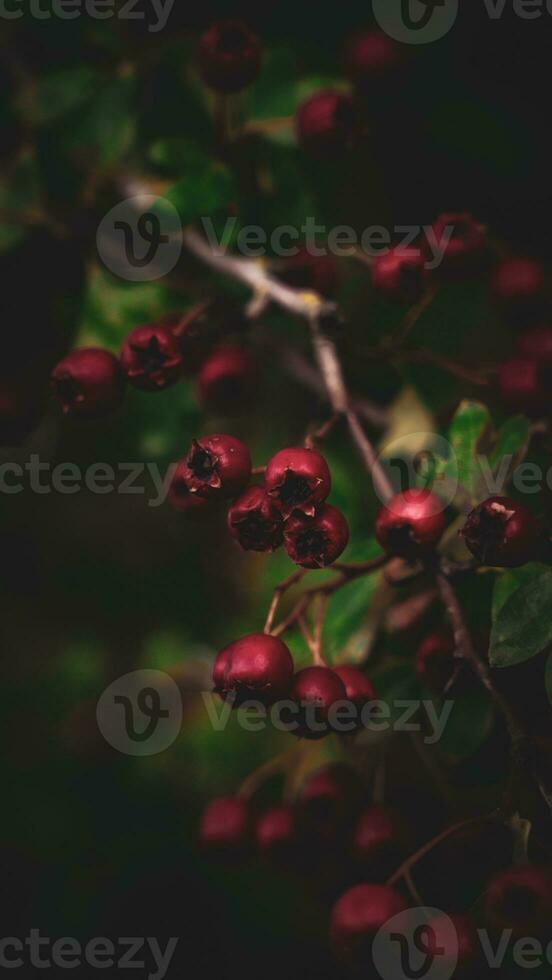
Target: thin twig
{"points": [[279, 593], [422, 852]]}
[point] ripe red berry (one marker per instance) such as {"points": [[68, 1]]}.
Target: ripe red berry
{"points": [[328, 800], [316, 272], [151, 358], [435, 661], [523, 385], [315, 542], [378, 840], [257, 667], [371, 56], [411, 524], [315, 690], [536, 344], [456, 946], [326, 123], [501, 532], [358, 687], [225, 826], [216, 466], [520, 898], [88, 383], [464, 241], [228, 379], [518, 287], [298, 480], [255, 521], [192, 504], [401, 275], [229, 56], [356, 918], [276, 834]]}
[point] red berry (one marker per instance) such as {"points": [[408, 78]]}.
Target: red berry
{"points": [[315, 542], [536, 344], [151, 358], [466, 244], [315, 690], [181, 497], [359, 688], [276, 834], [501, 532], [523, 385], [329, 799], [326, 123], [257, 667], [455, 942], [379, 839], [518, 287], [371, 56], [520, 898], [298, 480], [255, 521], [229, 56], [216, 466], [435, 661], [89, 383], [401, 275], [411, 524], [357, 917], [228, 379], [316, 272], [225, 825]]}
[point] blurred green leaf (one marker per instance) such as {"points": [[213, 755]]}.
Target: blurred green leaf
{"points": [[468, 427], [509, 581], [349, 607], [468, 726], [59, 92], [522, 627], [112, 308], [206, 188]]}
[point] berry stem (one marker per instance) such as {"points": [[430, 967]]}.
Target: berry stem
{"points": [[426, 849]]}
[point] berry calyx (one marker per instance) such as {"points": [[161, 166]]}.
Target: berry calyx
{"points": [[370, 56], [276, 834], [464, 241], [306, 271], [501, 532], [520, 899], [315, 542], [255, 521], [88, 383], [435, 661], [378, 840], [518, 287], [228, 379], [315, 690], [257, 667], [217, 465], [356, 918], [358, 687], [298, 480], [411, 524], [401, 275], [326, 123], [151, 358], [229, 56], [225, 825]]}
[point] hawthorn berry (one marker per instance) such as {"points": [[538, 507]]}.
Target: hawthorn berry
{"points": [[501, 532], [193, 504], [458, 948], [298, 480], [357, 917], [315, 542], [225, 826], [371, 56], [257, 667], [151, 358], [435, 660], [315, 690], [401, 274], [518, 287], [378, 840], [88, 383], [276, 834], [255, 521], [464, 241], [216, 466], [326, 123], [229, 56], [358, 687], [306, 271], [523, 385], [411, 524], [228, 379], [328, 800], [520, 898]]}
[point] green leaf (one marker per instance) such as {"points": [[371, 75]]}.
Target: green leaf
{"points": [[522, 627], [348, 609], [468, 726], [471, 422], [499, 461], [58, 93], [202, 191], [112, 308], [511, 580]]}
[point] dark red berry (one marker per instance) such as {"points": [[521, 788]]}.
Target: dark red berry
{"points": [[371, 56], [315, 542], [255, 521], [193, 504], [358, 687], [229, 56], [151, 358], [523, 385], [276, 834], [257, 667], [315, 690], [464, 241], [326, 123], [228, 379], [216, 466], [89, 383], [454, 941], [501, 532], [518, 287], [357, 917], [225, 826], [401, 275], [520, 898], [298, 480], [536, 344], [316, 272], [435, 661], [411, 524], [329, 799], [379, 840]]}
